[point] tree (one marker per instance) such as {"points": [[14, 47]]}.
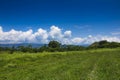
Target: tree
{"points": [[22, 48], [12, 50], [43, 48], [114, 45], [29, 48], [103, 44], [54, 44]]}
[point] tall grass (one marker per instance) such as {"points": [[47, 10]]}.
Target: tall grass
{"points": [[100, 64]]}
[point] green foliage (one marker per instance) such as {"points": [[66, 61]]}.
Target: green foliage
{"points": [[27, 49], [43, 48], [12, 50], [73, 48], [104, 44], [114, 45], [54, 44], [22, 48], [100, 64]]}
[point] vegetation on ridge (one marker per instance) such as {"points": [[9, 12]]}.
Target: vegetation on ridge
{"points": [[54, 46]]}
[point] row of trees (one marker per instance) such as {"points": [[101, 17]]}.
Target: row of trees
{"points": [[56, 46]]}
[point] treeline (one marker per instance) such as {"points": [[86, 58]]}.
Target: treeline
{"points": [[54, 46]]}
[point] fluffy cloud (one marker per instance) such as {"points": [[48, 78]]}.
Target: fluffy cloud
{"points": [[14, 36], [77, 40], [55, 33], [67, 34], [0, 29], [91, 39], [41, 36]]}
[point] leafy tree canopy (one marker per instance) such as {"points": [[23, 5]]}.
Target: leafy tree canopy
{"points": [[54, 44]]}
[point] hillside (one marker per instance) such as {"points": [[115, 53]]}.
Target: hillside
{"points": [[100, 64]]}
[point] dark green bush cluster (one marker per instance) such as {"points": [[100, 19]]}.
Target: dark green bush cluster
{"points": [[104, 44]]}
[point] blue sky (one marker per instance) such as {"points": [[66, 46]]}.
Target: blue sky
{"points": [[81, 17]]}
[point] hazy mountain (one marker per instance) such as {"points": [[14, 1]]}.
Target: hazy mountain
{"points": [[21, 44], [26, 44]]}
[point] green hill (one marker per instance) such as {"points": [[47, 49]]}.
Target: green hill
{"points": [[99, 64]]}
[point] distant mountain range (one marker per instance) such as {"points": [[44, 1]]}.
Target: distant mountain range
{"points": [[21, 44], [26, 44]]}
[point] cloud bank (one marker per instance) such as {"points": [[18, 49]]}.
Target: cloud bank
{"points": [[42, 36]]}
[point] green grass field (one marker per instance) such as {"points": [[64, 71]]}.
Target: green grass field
{"points": [[101, 64]]}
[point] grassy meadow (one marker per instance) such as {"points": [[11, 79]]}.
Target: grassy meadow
{"points": [[100, 64]]}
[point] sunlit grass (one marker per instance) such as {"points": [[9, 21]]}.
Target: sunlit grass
{"points": [[100, 64]]}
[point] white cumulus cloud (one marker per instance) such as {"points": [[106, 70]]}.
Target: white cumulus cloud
{"points": [[55, 32], [43, 36], [77, 40], [67, 34], [0, 29]]}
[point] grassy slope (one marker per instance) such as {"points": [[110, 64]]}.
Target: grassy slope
{"points": [[102, 64]]}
